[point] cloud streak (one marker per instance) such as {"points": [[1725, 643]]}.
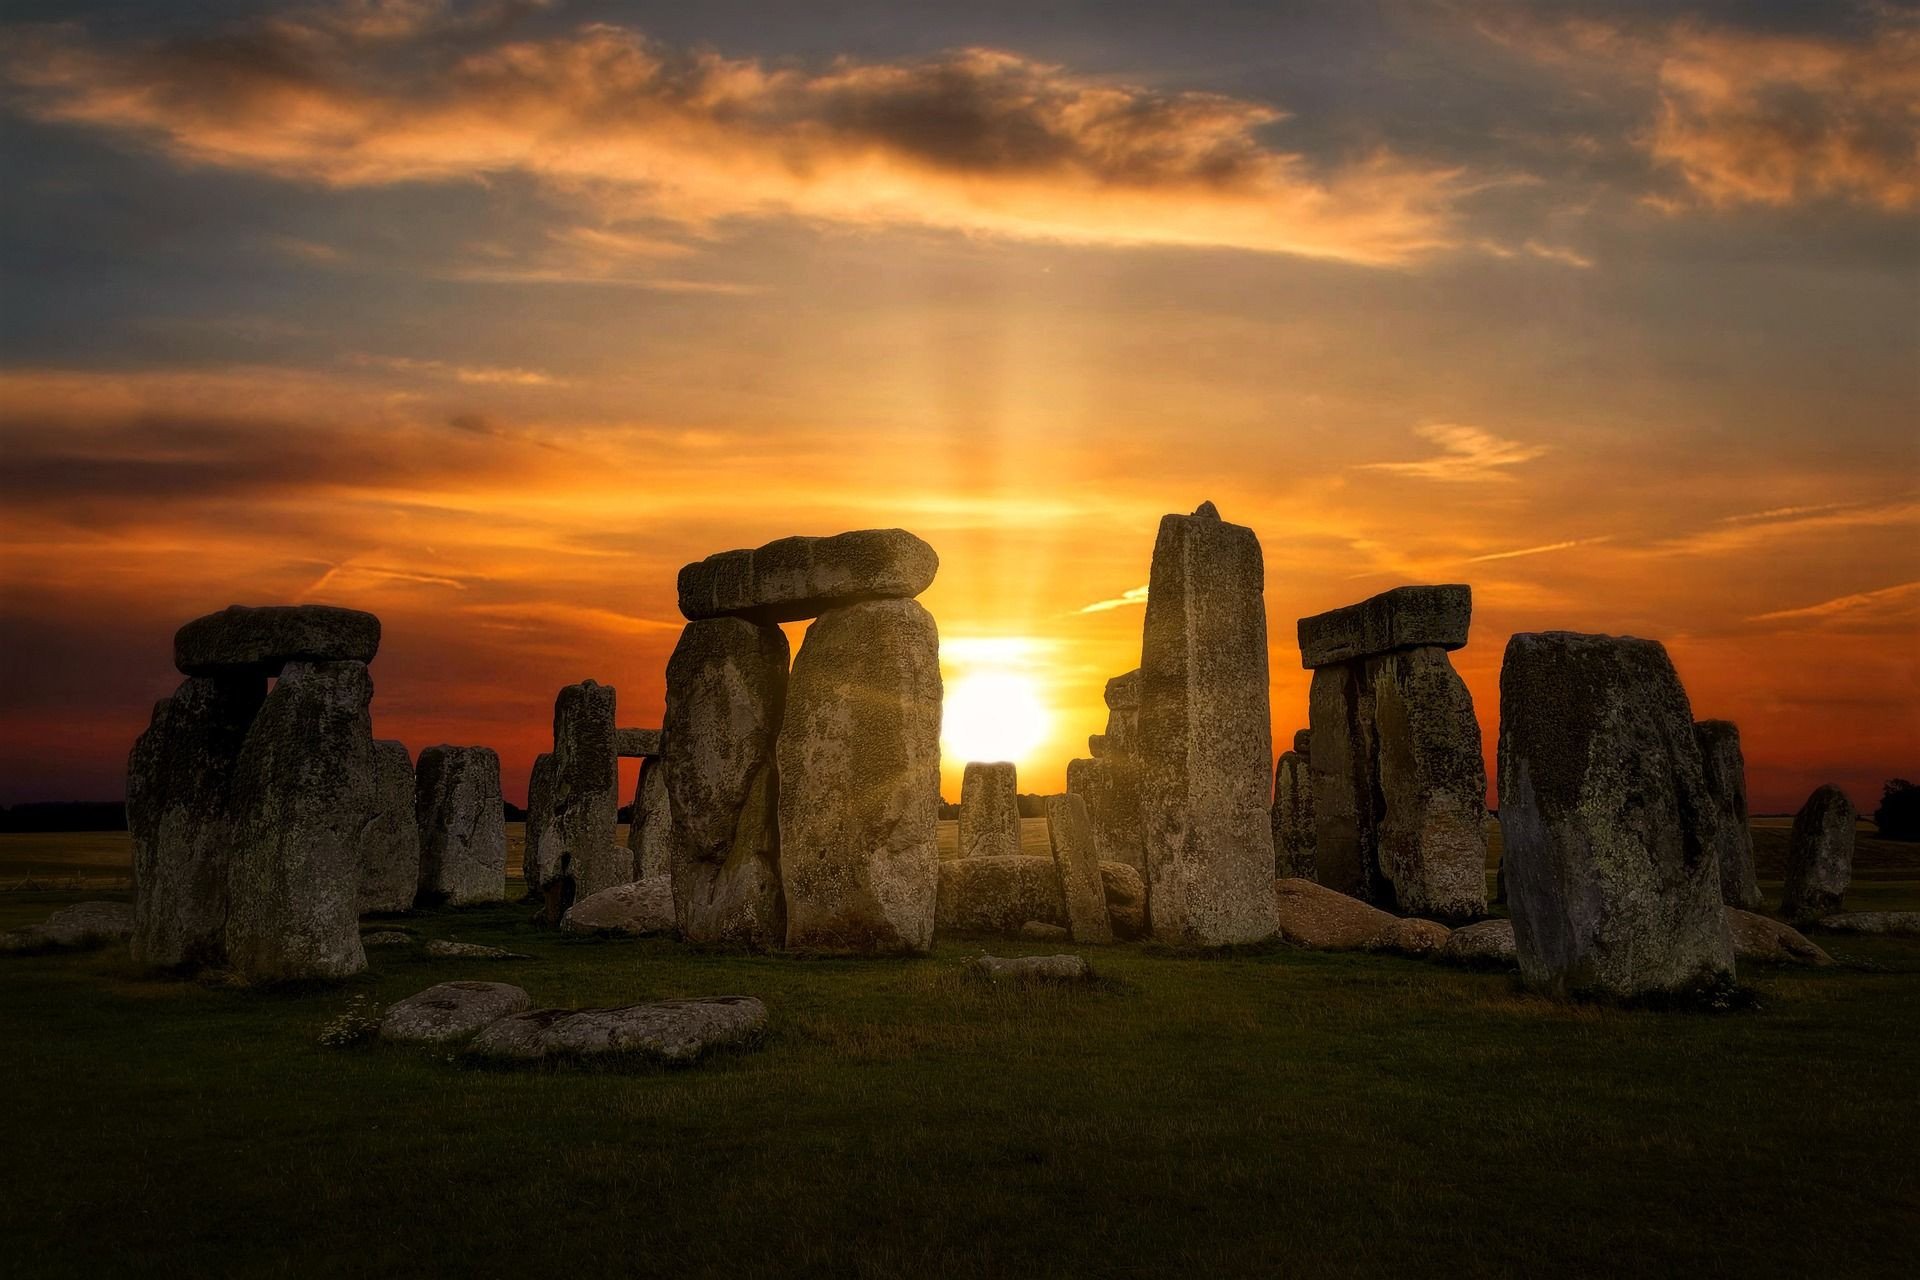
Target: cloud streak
{"points": [[1131, 596], [1466, 454]]}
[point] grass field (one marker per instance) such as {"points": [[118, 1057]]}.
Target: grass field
{"points": [[1274, 1112]]}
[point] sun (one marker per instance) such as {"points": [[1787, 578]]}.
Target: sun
{"points": [[993, 715]]}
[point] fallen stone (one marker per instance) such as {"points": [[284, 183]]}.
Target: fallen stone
{"points": [[1755, 937], [1111, 788], [640, 744], [451, 1012], [462, 825], [1071, 837], [579, 842], [1126, 894], [441, 949], [1608, 826], [650, 836], [1819, 856], [1897, 923], [1488, 944], [1414, 937], [798, 578], [386, 938], [669, 1032], [539, 814], [989, 811], [1321, 919], [1403, 618], [84, 924], [390, 845], [1061, 968], [1726, 773], [999, 895], [1205, 737], [239, 640], [1292, 817], [643, 907], [859, 756], [1035, 931]]}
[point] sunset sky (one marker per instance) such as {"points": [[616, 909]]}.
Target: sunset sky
{"points": [[489, 317]]}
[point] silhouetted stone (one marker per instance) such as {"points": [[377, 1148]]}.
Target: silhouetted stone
{"points": [[243, 641], [798, 578], [451, 1012], [390, 846], [1063, 968], [1819, 856], [650, 835], [463, 830], [1403, 618], [1608, 826], [726, 691], [579, 842], [1071, 837], [669, 1032], [1099, 746], [636, 744], [643, 907], [1123, 716], [1757, 938], [1111, 789], [84, 924], [1303, 742], [859, 781], [999, 895], [303, 789], [989, 811], [179, 782], [539, 814], [1726, 773], [1292, 817], [1126, 894]]}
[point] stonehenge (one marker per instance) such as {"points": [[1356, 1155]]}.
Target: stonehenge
{"points": [[1819, 856], [1726, 771], [579, 852], [795, 579], [539, 812], [1071, 837], [1293, 811], [390, 844], [463, 833], [1109, 781], [1399, 786], [241, 641], [650, 835], [989, 811]]}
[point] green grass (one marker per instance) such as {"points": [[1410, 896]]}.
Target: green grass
{"points": [[1279, 1112]]}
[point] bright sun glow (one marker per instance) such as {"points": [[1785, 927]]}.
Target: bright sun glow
{"points": [[993, 715]]}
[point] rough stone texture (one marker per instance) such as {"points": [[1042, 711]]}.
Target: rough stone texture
{"points": [[1415, 937], [1819, 856], [1755, 937], [1035, 931], [462, 824], [451, 1012], [645, 906], [1100, 747], [989, 811], [84, 924], [243, 641], [1070, 835], [1403, 618], [1126, 892], [390, 846], [1206, 744], [860, 780], [797, 578], [726, 694], [539, 814], [1292, 817], [1726, 772], [579, 842], [639, 744], [1323, 919], [1111, 788], [671, 1032], [999, 895], [1342, 768], [1303, 741], [179, 782], [1897, 923], [303, 791], [1488, 945], [1063, 968], [650, 836], [1608, 826], [1123, 716], [442, 949]]}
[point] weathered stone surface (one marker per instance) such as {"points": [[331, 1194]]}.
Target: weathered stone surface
{"points": [[643, 907], [1819, 856], [999, 895], [1099, 746], [462, 824], [539, 814], [84, 924], [1206, 744], [859, 781], [726, 693], [303, 790], [670, 1032], [1487, 945], [1303, 741], [1607, 823], [1414, 937], [451, 1012], [1111, 788], [179, 783], [442, 949], [650, 836], [1292, 817], [1343, 768], [1122, 738], [1322, 919], [1071, 837], [1403, 618], [1755, 937], [1063, 968], [390, 846], [1126, 893], [636, 743], [1035, 931], [243, 641], [1897, 923], [1726, 773], [989, 811], [797, 578], [579, 842]]}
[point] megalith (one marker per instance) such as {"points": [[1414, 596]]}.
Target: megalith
{"points": [[539, 814], [798, 578], [650, 835], [1123, 715], [989, 810], [1110, 786], [1205, 742], [859, 757], [260, 641], [462, 824], [1293, 815], [579, 842], [1071, 836], [1726, 771], [726, 691], [1819, 856], [390, 845], [1609, 829]]}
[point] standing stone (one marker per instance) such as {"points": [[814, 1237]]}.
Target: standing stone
{"points": [[989, 811], [1111, 788], [1342, 769], [860, 781], [798, 578], [242, 641], [1123, 715], [580, 841], [1819, 856], [1433, 826], [390, 846], [999, 895], [1205, 741], [726, 690], [463, 826], [1080, 881], [1292, 817], [1608, 826], [539, 814], [303, 790], [179, 779], [1726, 770], [1403, 618], [650, 836]]}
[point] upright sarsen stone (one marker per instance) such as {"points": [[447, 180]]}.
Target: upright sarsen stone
{"points": [[1342, 767], [390, 846], [303, 790], [1206, 744], [463, 827], [1071, 837], [726, 692], [1608, 826], [539, 814], [1292, 817], [1123, 715], [1726, 770], [989, 810], [580, 839], [1111, 788], [860, 781], [1819, 856], [650, 835], [798, 578], [1432, 832]]}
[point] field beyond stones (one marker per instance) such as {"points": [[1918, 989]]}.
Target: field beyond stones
{"points": [[1275, 1111]]}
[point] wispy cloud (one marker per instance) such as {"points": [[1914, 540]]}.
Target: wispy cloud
{"points": [[1131, 596], [1466, 454], [1899, 594], [483, 375], [1745, 531], [1539, 550]]}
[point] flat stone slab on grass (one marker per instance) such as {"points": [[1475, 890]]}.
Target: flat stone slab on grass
{"points": [[643, 907], [451, 1011], [1060, 968], [1403, 618], [793, 579], [84, 924], [1323, 919], [1755, 937], [1488, 944], [387, 938], [1897, 923], [670, 1032], [240, 640], [440, 948]]}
